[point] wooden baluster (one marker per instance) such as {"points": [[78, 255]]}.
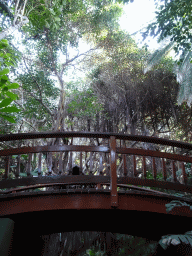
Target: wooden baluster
{"points": [[86, 166], [164, 169], [99, 186], [174, 171], [100, 169], [134, 166], [154, 169], [29, 165], [50, 163], [91, 163], [81, 162], [18, 166], [7, 166], [124, 161], [100, 164], [60, 162], [70, 160], [114, 194], [107, 162], [144, 167], [55, 163], [184, 173], [124, 165], [39, 164]]}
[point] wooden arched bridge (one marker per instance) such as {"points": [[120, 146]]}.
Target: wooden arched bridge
{"points": [[117, 188]]}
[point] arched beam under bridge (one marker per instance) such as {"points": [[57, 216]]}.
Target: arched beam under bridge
{"points": [[53, 211]]}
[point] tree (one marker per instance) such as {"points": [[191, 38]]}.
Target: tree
{"points": [[17, 18], [134, 101], [57, 31]]}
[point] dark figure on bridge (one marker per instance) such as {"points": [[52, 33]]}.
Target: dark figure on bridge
{"points": [[76, 170]]}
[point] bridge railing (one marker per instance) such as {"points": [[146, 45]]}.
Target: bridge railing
{"points": [[114, 147]]}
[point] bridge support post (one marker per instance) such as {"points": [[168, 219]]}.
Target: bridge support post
{"points": [[113, 176], [6, 236]]}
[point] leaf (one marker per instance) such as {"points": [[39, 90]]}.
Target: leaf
{"points": [[5, 102], [4, 71], [10, 109], [13, 96], [5, 89], [4, 42], [167, 240], [13, 86], [57, 19], [8, 118], [157, 56], [4, 80]]}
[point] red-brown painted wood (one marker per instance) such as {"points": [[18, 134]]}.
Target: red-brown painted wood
{"points": [[81, 162], [184, 173], [91, 163], [164, 169], [39, 164], [131, 201], [142, 152], [114, 195], [144, 168], [29, 165], [124, 165], [112, 149], [60, 163], [154, 169], [174, 171], [100, 164], [50, 163], [7, 166], [36, 135], [53, 148], [134, 166], [18, 166]]}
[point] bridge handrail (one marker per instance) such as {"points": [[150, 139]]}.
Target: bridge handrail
{"points": [[120, 136], [102, 149]]}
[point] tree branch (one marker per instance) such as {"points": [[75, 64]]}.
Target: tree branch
{"points": [[40, 100], [74, 58], [33, 78]]}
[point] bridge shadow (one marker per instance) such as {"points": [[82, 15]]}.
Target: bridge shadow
{"points": [[28, 227]]}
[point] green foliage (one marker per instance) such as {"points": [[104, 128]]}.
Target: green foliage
{"points": [[150, 175], [84, 104], [173, 24], [4, 9], [44, 91], [135, 246], [6, 96], [173, 19], [73, 18]]}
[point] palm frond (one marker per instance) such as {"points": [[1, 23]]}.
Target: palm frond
{"points": [[184, 78], [157, 56], [166, 241], [183, 71]]}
